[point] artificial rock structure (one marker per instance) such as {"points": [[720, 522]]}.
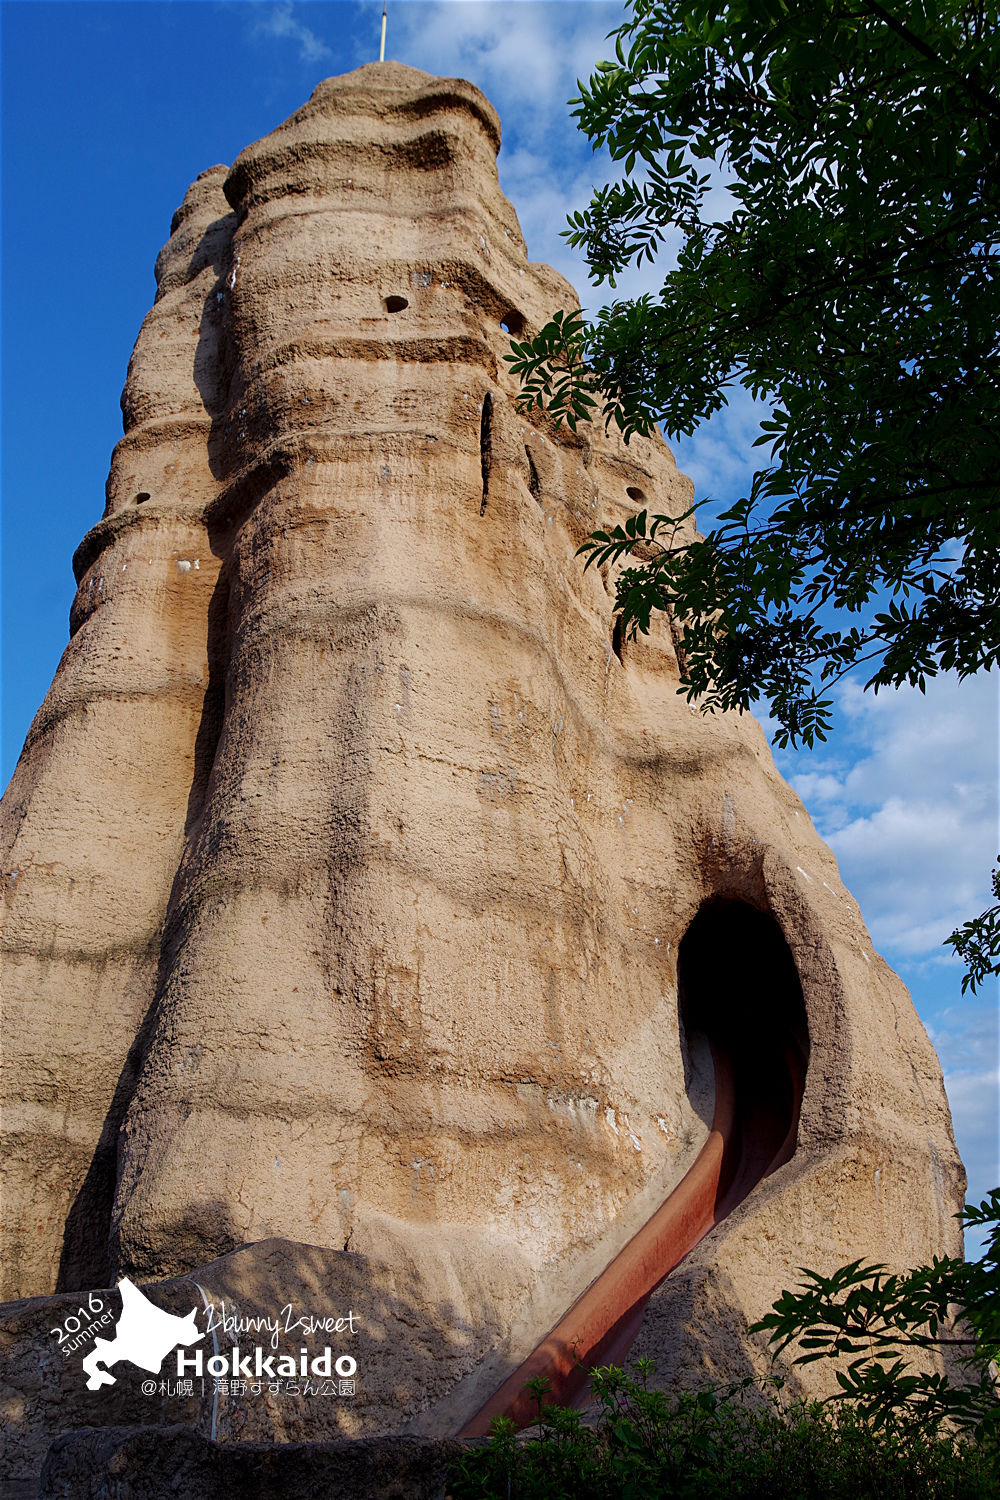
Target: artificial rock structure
{"points": [[363, 892]]}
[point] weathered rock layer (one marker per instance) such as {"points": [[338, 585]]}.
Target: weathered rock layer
{"points": [[350, 856]]}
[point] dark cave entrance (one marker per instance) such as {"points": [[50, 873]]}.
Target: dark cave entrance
{"points": [[739, 992]]}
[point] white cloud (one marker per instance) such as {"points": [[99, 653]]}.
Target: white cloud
{"points": [[529, 54], [908, 802], [282, 23], [719, 456]]}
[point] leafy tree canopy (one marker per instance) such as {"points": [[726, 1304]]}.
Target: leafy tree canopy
{"points": [[853, 286]]}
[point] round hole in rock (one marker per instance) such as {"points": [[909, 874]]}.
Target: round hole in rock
{"points": [[395, 304], [739, 992], [635, 493], [512, 323], [142, 497]]}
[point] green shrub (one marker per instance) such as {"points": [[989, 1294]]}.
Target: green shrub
{"points": [[717, 1444], [874, 1320], [891, 1432]]}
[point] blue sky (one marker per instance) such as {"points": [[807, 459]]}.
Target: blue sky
{"points": [[111, 109]]}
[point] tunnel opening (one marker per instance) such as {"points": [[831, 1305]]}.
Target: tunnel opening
{"points": [[739, 990], [741, 1003]]}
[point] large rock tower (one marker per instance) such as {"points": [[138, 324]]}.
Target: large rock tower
{"points": [[363, 890]]}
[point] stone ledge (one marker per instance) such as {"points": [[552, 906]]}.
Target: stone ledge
{"points": [[160, 1463]]}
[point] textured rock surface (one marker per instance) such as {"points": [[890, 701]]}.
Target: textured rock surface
{"points": [[348, 859], [140, 1464], [109, 782], [405, 1361]]}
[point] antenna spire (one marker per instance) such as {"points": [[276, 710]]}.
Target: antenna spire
{"points": [[381, 50]]}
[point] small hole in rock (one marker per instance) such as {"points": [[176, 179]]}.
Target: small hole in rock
{"points": [[142, 497], [617, 639], [534, 486], [635, 493], [512, 323], [486, 447], [395, 304]]}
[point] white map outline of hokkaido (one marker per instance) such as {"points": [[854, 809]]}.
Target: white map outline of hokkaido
{"points": [[144, 1335]]}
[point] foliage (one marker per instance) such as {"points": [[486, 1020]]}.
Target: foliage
{"points": [[874, 1318], [714, 1444], [977, 943], [854, 286]]}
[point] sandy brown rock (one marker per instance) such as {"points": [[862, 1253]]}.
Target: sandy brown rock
{"points": [[352, 856], [110, 777], [277, 1295]]}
